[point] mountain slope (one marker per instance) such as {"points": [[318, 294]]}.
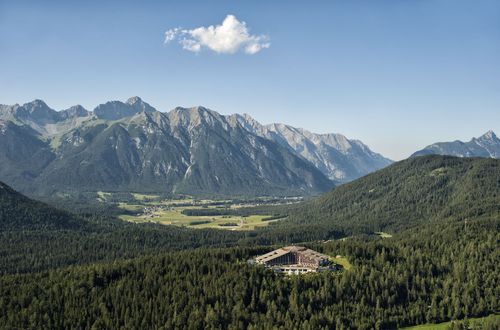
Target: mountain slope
{"points": [[336, 156], [18, 212], [408, 193], [132, 147], [35, 236], [42, 119], [23, 154], [487, 145], [255, 162]]}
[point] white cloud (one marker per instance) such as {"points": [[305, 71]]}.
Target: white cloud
{"points": [[228, 38]]}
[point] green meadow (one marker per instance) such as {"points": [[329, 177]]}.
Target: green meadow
{"points": [[474, 323], [149, 209]]}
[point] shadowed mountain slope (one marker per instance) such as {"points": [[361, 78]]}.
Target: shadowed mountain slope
{"points": [[17, 212], [132, 147]]}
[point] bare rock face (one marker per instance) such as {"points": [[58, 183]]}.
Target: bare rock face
{"points": [[130, 146], [336, 156]]}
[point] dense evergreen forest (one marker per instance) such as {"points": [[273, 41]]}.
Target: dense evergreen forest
{"points": [[60, 270], [35, 236], [406, 194], [432, 274]]}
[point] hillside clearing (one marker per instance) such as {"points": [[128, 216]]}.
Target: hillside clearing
{"points": [[474, 323]]}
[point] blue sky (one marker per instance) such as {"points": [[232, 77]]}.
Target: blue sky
{"points": [[397, 75]]}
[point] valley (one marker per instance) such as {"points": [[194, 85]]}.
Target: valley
{"points": [[399, 233], [189, 212], [250, 165]]}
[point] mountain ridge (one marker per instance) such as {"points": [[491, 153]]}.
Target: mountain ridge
{"points": [[411, 192], [487, 145], [131, 145], [336, 156]]}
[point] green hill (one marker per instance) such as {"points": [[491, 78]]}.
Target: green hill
{"points": [[411, 192], [18, 212], [35, 236]]}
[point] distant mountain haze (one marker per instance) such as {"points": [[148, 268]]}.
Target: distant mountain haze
{"points": [[487, 145], [336, 156], [130, 146]]}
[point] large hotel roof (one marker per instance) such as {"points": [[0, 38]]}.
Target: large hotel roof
{"points": [[292, 248], [271, 255]]}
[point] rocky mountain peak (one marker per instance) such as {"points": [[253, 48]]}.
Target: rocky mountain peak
{"points": [[490, 135], [37, 111], [74, 112], [139, 105], [205, 112], [246, 121], [487, 145], [36, 105], [192, 117], [134, 99], [115, 110]]}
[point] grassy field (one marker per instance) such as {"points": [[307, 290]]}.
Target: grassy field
{"points": [[342, 261], [152, 208], [383, 235], [131, 207], [103, 196], [169, 212], [144, 197], [175, 217], [474, 323]]}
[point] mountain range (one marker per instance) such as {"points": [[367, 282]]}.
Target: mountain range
{"points": [[130, 146], [336, 156], [487, 145]]}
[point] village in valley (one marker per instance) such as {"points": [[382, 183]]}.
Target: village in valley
{"points": [[185, 211]]}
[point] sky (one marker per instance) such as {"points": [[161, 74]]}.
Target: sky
{"points": [[397, 75]]}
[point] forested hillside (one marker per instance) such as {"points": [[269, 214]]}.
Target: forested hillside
{"points": [[96, 272], [35, 236], [18, 212], [439, 272], [408, 193]]}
